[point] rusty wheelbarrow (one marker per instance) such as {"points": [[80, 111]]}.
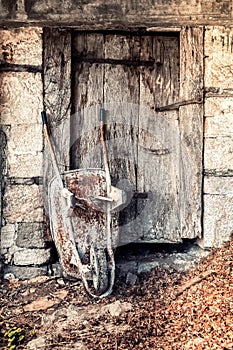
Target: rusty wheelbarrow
{"points": [[84, 220]]}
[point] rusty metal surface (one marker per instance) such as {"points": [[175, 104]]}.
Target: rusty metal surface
{"points": [[87, 221], [90, 219], [60, 224]]}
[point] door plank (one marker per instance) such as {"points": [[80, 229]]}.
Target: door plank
{"points": [[121, 98], [122, 47], [87, 97], [159, 149]]}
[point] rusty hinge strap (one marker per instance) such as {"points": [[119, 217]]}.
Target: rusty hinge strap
{"points": [[178, 104], [12, 67], [113, 61], [140, 195]]}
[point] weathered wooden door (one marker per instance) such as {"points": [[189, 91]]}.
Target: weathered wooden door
{"points": [[132, 76]]}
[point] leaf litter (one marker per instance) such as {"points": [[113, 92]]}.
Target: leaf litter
{"points": [[166, 309]]}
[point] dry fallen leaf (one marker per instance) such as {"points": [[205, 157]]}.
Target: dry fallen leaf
{"points": [[38, 280], [45, 303], [171, 310], [13, 283]]}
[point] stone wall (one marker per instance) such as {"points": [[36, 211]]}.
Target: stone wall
{"points": [[218, 137], [23, 241], [24, 238]]}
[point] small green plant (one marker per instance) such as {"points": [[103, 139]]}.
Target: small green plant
{"points": [[14, 336]]}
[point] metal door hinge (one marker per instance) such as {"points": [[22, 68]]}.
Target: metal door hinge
{"points": [[177, 105]]}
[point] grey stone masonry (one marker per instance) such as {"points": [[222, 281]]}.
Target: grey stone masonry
{"points": [[218, 137], [23, 241], [30, 235], [27, 257], [23, 203]]}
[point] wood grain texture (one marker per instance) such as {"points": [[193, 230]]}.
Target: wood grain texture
{"points": [[87, 94], [143, 146], [159, 153], [159, 144], [191, 130], [57, 94], [121, 97], [100, 14]]}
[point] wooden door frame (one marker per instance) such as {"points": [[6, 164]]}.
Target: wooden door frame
{"points": [[191, 124], [57, 102]]}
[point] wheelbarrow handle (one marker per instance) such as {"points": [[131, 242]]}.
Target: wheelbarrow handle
{"points": [[44, 118], [52, 153], [102, 115]]}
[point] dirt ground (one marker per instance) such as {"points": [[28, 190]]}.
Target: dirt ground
{"points": [[165, 309]]}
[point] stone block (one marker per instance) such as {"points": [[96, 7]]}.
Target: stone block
{"points": [[218, 57], [25, 272], [24, 150], [27, 257], [218, 154], [21, 45], [25, 165], [30, 235], [8, 235], [218, 185], [219, 121], [25, 139], [23, 203], [21, 98], [8, 254], [217, 220]]}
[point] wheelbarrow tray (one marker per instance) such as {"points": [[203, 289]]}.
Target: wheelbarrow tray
{"points": [[78, 229]]}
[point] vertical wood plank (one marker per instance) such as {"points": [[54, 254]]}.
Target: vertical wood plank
{"points": [[160, 83], [159, 149], [191, 130], [121, 95], [57, 98], [87, 98], [121, 98]]}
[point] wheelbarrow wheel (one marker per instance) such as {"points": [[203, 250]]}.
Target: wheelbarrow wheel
{"points": [[99, 267]]}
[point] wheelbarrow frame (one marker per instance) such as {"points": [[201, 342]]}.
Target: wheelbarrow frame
{"points": [[66, 199]]}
